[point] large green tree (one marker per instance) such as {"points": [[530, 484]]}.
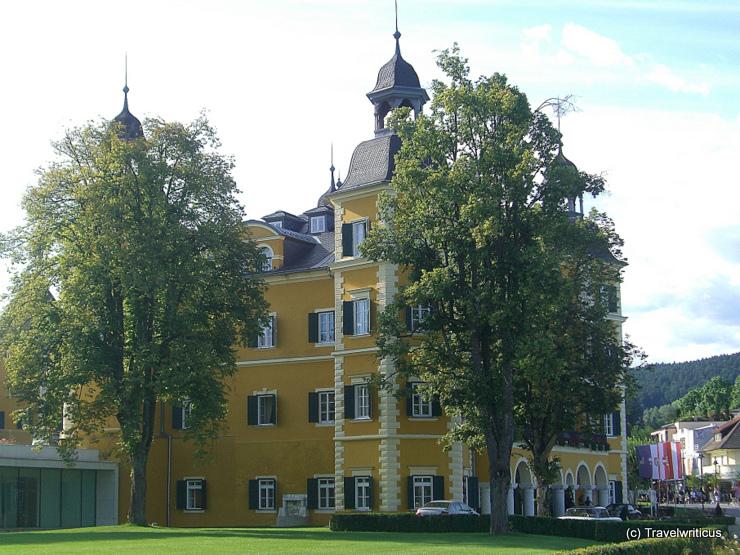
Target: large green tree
{"points": [[470, 215], [133, 285], [575, 367]]}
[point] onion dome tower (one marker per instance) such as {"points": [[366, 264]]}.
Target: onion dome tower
{"points": [[131, 125], [568, 174], [397, 85]]}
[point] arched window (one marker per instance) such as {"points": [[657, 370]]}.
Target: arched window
{"points": [[267, 262]]}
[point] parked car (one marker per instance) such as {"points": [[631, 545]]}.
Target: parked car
{"points": [[615, 509], [445, 508], [588, 513]]}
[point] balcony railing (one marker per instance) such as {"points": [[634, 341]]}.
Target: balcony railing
{"points": [[583, 440]]}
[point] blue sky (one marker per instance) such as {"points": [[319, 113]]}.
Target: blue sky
{"points": [[657, 84]]}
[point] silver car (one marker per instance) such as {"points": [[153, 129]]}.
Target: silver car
{"points": [[445, 508], [588, 513]]}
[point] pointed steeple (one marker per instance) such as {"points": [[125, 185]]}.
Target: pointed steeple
{"points": [[324, 199], [131, 125], [397, 85], [331, 169]]}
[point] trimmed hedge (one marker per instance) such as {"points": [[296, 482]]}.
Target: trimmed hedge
{"points": [[407, 522], [662, 546], [603, 531]]}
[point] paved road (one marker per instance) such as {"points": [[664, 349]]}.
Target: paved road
{"points": [[728, 508]]}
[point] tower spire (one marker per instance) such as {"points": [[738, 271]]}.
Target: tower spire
{"points": [[397, 35], [331, 169], [125, 81]]}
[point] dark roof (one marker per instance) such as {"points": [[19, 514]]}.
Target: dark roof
{"points": [[396, 72], [279, 214], [310, 259], [131, 125], [287, 232], [322, 209], [730, 439], [372, 162]]}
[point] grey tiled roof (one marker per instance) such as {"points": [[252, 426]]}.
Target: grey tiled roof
{"points": [[372, 162], [396, 72], [730, 440]]}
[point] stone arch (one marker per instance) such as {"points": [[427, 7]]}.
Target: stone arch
{"points": [[569, 494], [524, 493], [584, 485], [601, 483]]}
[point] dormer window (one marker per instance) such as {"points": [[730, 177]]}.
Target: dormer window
{"points": [[277, 224], [267, 260], [318, 224]]}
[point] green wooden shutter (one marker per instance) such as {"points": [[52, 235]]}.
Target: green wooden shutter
{"points": [[313, 406], [410, 492], [438, 488], [2, 420], [312, 493], [407, 313], [409, 399], [436, 407], [176, 417], [617, 423], [473, 493], [370, 490], [617, 491], [313, 327], [346, 239], [349, 402], [252, 410], [274, 330], [204, 495], [252, 342], [254, 493], [348, 316], [181, 494], [349, 493]]}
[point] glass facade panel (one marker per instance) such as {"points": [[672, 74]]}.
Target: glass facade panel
{"points": [[51, 490], [28, 498], [8, 497], [71, 498], [88, 497]]}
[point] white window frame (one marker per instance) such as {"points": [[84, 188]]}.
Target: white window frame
{"points": [[193, 485], [362, 327], [318, 224], [266, 336], [362, 401], [609, 424], [418, 313], [187, 410], [326, 494], [261, 410], [363, 500], [356, 240], [420, 486], [278, 224], [266, 486], [267, 264], [419, 407], [326, 336], [327, 406]]}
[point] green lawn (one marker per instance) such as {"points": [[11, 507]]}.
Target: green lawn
{"points": [[211, 541]]}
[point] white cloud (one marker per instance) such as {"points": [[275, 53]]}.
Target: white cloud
{"points": [[539, 33], [598, 49], [663, 75]]}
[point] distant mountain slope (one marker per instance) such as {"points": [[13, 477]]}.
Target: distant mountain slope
{"points": [[667, 382]]}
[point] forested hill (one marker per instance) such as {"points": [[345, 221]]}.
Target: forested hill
{"points": [[667, 382]]}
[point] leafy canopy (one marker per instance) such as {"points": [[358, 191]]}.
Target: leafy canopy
{"points": [[133, 284]]}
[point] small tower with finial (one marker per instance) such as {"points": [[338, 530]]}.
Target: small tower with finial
{"points": [[397, 85], [131, 125]]}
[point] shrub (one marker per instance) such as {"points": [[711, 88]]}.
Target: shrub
{"points": [[407, 522], [604, 531], [662, 546]]}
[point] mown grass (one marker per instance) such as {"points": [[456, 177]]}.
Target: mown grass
{"points": [[182, 541]]}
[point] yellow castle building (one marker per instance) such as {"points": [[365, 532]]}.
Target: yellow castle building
{"points": [[306, 435]]}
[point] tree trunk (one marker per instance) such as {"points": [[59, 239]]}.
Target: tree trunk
{"points": [[137, 504], [499, 461], [543, 499]]}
